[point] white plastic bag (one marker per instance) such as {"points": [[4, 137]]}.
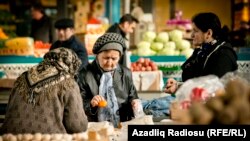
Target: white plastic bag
{"points": [[198, 89], [138, 112], [244, 76]]}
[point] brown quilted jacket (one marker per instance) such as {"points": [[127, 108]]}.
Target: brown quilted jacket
{"points": [[61, 112]]}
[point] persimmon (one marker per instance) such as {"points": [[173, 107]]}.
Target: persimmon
{"points": [[102, 103]]}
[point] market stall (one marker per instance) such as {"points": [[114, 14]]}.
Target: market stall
{"points": [[168, 66]]}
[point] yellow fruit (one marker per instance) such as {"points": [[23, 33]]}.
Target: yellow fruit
{"points": [[3, 35], [20, 42]]}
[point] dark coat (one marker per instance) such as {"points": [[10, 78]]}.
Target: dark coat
{"points": [[74, 44], [116, 29], [89, 81], [210, 61], [42, 30]]}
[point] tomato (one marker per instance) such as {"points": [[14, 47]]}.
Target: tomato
{"points": [[141, 60]]}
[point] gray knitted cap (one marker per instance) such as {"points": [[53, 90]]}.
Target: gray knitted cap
{"points": [[103, 43]]}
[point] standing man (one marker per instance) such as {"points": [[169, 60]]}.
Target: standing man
{"points": [[66, 38], [41, 25], [126, 25]]}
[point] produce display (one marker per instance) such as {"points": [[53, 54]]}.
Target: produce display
{"points": [[144, 64], [179, 23], [146, 75], [41, 45], [7, 24], [229, 105], [21, 46], [41, 48], [3, 35], [93, 32], [163, 43]]}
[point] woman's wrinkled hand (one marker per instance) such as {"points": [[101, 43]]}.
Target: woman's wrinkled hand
{"points": [[96, 99], [171, 86]]}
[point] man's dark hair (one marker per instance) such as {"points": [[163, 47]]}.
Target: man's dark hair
{"points": [[128, 18], [38, 6]]}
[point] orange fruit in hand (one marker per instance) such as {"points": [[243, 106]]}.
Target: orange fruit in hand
{"points": [[102, 103]]}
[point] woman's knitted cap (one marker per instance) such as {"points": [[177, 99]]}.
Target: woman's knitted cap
{"points": [[109, 41]]}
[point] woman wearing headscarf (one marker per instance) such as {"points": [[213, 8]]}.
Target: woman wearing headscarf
{"points": [[213, 53], [46, 98], [105, 79]]}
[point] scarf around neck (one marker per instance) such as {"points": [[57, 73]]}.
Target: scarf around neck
{"points": [[106, 89]]}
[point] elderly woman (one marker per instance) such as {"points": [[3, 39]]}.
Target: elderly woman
{"points": [[46, 98], [105, 79]]}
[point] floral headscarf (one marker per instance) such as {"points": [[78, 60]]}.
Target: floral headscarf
{"points": [[57, 65]]}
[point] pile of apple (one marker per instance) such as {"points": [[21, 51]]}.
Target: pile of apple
{"points": [[144, 64]]}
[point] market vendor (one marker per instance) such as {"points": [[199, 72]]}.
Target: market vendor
{"points": [[41, 24], [126, 26], [46, 98], [216, 56], [213, 53], [106, 86]]}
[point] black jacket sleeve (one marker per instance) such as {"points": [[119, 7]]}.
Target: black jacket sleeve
{"points": [[223, 61], [83, 55]]}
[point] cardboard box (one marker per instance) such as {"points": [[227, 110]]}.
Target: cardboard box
{"points": [[81, 16], [148, 80], [7, 83]]}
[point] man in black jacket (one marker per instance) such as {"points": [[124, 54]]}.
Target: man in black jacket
{"points": [[125, 26], [66, 38], [41, 25]]}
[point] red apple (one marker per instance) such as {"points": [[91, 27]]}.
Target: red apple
{"points": [[141, 60], [148, 68], [138, 64], [143, 68], [154, 68], [147, 61], [132, 68], [133, 64]]}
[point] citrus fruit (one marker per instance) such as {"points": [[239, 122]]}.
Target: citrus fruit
{"points": [[102, 103]]}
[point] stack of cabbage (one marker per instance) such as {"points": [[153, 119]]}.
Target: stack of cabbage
{"points": [[163, 43]]}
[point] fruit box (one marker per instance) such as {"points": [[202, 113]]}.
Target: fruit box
{"points": [[148, 80]]}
